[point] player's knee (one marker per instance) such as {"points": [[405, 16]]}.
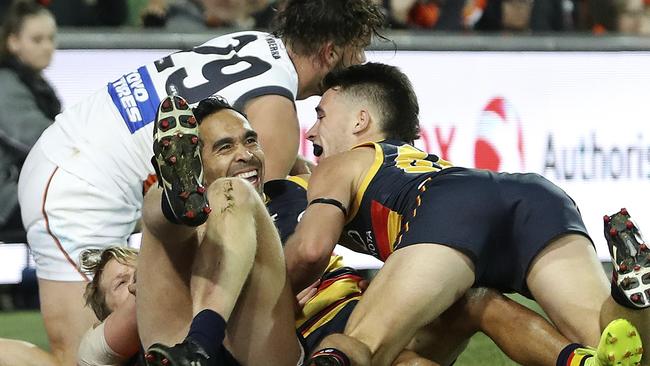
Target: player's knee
{"points": [[229, 194], [410, 358]]}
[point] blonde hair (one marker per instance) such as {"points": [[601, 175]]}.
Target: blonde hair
{"points": [[93, 262]]}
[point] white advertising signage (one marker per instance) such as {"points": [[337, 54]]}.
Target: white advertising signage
{"points": [[581, 119]]}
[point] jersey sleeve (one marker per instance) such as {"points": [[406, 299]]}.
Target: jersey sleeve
{"points": [[94, 351]]}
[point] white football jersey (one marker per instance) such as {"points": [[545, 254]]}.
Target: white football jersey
{"points": [[112, 130]]}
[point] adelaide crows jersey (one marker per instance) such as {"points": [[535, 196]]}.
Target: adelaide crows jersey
{"points": [[328, 309], [286, 200], [388, 193]]}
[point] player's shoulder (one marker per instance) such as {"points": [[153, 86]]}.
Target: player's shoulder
{"points": [[250, 43], [292, 186], [344, 166], [228, 37]]}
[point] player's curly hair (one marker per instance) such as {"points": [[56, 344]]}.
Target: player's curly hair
{"points": [[306, 25], [389, 90], [93, 262]]}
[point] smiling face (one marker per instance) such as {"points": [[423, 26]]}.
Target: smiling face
{"points": [[114, 283], [230, 148], [336, 118], [34, 43]]}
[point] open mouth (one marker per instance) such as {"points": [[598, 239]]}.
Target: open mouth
{"points": [[318, 150], [251, 176]]}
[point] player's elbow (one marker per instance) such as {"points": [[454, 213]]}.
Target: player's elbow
{"points": [[313, 252]]}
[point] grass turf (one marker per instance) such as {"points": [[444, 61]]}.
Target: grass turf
{"points": [[28, 326]]}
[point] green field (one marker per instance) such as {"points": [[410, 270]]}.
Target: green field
{"points": [[28, 326]]}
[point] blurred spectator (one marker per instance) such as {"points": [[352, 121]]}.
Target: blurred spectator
{"points": [[486, 15], [527, 15], [597, 16], [443, 15], [88, 13], [634, 16], [28, 103], [202, 14]]}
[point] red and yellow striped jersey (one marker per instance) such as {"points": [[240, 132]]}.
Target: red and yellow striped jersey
{"points": [[390, 190]]}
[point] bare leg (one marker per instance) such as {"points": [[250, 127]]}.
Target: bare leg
{"points": [[65, 316], [164, 306], [14, 352], [240, 273], [440, 342], [523, 335], [569, 283], [640, 318], [427, 277], [410, 358]]}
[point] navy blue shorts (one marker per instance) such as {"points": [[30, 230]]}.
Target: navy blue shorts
{"points": [[501, 221]]}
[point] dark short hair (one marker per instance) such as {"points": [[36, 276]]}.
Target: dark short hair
{"points": [[306, 25], [213, 105], [388, 89], [14, 19]]}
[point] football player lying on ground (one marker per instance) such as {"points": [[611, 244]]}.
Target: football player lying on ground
{"points": [[443, 229], [481, 309]]}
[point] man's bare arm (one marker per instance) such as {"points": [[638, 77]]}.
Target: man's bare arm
{"points": [[114, 341], [275, 120], [308, 250], [121, 329]]}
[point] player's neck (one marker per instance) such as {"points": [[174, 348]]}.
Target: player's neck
{"points": [[369, 137], [309, 75]]}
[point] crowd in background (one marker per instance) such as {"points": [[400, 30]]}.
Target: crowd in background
{"points": [[596, 16]]}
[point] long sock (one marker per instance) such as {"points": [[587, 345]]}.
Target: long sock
{"points": [[208, 329], [567, 356]]}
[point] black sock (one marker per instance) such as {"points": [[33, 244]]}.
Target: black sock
{"points": [[565, 354], [329, 357], [208, 329]]}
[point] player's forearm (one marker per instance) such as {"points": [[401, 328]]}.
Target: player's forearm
{"points": [[304, 265], [121, 329]]}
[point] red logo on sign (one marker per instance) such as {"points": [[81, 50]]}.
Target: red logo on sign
{"points": [[499, 142]]}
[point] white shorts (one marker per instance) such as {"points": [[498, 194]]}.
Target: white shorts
{"points": [[64, 214]]}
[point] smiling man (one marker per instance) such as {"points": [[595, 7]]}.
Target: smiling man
{"points": [[208, 270]]}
